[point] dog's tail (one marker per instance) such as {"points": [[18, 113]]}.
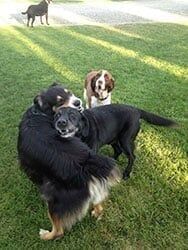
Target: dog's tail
{"points": [[102, 167], [156, 119], [23, 13]]}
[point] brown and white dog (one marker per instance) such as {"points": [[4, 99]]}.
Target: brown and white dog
{"points": [[98, 88]]}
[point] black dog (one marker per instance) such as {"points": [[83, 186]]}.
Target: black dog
{"points": [[114, 124], [40, 9], [70, 176]]}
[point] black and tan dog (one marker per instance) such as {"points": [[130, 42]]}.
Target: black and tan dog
{"points": [[40, 9], [71, 177], [114, 124]]}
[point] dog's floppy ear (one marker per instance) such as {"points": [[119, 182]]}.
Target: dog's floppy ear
{"points": [[38, 100], [93, 80], [111, 84], [41, 102], [54, 84], [84, 126]]}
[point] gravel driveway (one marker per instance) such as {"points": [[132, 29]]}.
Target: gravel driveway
{"points": [[101, 12]]}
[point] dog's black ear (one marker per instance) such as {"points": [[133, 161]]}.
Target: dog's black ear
{"points": [[38, 101], [54, 84], [84, 126]]}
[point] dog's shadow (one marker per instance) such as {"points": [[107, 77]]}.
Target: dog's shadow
{"points": [[18, 18]]}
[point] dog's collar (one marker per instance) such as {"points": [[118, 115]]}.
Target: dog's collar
{"points": [[102, 99]]}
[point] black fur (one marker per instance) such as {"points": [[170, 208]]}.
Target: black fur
{"points": [[40, 9], [114, 124], [62, 168]]}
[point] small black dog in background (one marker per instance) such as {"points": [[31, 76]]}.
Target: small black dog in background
{"points": [[40, 9]]}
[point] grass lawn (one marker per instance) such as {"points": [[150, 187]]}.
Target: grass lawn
{"points": [[149, 64]]}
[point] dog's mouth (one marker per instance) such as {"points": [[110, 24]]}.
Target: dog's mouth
{"points": [[67, 132], [103, 98]]}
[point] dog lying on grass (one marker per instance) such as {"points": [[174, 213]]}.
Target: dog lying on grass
{"points": [[114, 124], [40, 9], [70, 176]]}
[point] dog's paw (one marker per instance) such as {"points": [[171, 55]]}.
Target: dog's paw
{"points": [[97, 212], [43, 233], [97, 216], [46, 235]]}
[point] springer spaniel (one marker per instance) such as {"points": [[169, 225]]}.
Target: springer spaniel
{"points": [[98, 88]]}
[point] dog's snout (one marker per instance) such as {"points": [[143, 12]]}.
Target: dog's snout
{"points": [[62, 123], [77, 103]]}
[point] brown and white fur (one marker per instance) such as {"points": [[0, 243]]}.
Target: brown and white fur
{"points": [[98, 88]]}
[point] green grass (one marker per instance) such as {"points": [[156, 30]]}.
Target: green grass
{"points": [[149, 64]]}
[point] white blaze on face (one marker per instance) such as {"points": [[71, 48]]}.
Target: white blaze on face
{"points": [[72, 100], [101, 86]]}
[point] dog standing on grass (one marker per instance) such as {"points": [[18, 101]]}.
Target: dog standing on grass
{"points": [[70, 176], [40, 9]]}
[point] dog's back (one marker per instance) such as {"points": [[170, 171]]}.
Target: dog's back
{"points": [[37, 9]]}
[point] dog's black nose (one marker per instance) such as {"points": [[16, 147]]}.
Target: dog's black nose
{"points": [[77, 103], [62, 123]]}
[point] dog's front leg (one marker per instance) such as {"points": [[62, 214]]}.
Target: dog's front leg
{"points": [[57, 229], [47, 19], [41, 20]]}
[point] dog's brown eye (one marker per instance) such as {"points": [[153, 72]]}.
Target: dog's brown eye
{"points": [[57, 115]]}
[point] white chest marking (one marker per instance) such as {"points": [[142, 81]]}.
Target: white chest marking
{"points": [[96, 102]]}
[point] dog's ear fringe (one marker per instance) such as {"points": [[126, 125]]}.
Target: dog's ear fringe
{"points": [[38, 100]]}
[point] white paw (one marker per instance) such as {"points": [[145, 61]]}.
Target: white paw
{"points": [[42, 232]]}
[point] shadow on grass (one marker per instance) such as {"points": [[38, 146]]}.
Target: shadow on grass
{"points": [[148, 211]]}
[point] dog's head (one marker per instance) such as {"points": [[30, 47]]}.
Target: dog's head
{"points": [[69, 121], [55, 97], [102, 84], [48, 1]]}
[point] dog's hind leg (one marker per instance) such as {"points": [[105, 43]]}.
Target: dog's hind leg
{"points": [[57, 229], [117, 150], [127, 145], [33, 19], [28, 19], [47, 19], [41, 20]]}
